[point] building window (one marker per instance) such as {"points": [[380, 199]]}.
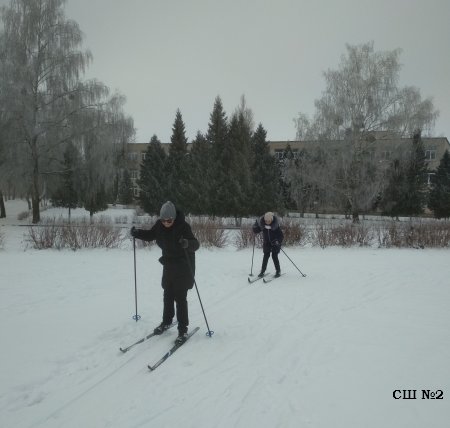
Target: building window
{"points": [[143, 156], [133, 156], [430, 178], [430, 154], [279, 154], [134, 173], [386, 155]]}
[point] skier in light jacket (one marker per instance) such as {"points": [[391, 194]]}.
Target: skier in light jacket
{"points": [[269, 225]]}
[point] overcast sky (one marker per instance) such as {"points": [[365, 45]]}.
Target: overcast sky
{"points": [[169, 54]]}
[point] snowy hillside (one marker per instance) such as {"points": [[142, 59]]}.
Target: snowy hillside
{"points": [[324, 351]]}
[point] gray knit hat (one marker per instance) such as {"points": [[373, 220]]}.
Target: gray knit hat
{"points": [[168, 211]]}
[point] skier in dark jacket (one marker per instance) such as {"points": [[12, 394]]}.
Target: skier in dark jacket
{"points": [[272, 238], [174, 236]]}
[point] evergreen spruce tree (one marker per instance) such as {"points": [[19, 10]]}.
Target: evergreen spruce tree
{"points": [[125, 189], [285, 186], [392, 199], [94, 197], [414, 201], [406, 191], [153, 178], [439, 201], [178, 166], [200, 179], [266, 192], [67, 193], [235, 163], [217, 136]]}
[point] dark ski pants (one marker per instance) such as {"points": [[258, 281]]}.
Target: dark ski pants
{"points": [[176, 297], [276, 262]]}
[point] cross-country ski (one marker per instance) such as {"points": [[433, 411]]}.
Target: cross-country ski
{"points": [[127, 348], [172, 350]]}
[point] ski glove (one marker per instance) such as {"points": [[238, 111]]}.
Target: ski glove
{"points": [[184, 243], [276, 244], [133, 232]]}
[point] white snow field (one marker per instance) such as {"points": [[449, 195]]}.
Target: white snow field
{"points": [[361, 341]]}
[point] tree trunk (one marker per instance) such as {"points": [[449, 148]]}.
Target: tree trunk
{"points": [[2, 206], [355, 217], [35, 184]]}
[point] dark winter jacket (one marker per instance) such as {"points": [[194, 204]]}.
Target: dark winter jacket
{"points": [[176, 272], [272, 234]]}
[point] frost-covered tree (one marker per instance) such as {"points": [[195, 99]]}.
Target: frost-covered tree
{"points": [[363, 96], [50, 105], [361, 99]]}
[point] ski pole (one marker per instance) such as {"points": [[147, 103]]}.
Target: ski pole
{"points": [[136, 316], [253, 254], [210, 332], [292, 262]]}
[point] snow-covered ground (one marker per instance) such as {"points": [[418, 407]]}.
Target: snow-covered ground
{"points": [[328, 350]]}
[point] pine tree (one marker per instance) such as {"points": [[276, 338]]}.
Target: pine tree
{"points": [[153, 178], [439, 201]]}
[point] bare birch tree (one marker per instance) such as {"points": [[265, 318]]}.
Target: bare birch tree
{"points": [[362, 98]]}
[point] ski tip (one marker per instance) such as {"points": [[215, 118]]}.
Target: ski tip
{"points": [[123, 350], [150, 368]]}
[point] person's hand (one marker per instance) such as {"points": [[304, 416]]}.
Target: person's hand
{"points": [[276, 244], [133, 232], [184, 243]]}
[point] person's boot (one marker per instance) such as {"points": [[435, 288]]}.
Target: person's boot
{"points": [[182, 337], [161, 328]]}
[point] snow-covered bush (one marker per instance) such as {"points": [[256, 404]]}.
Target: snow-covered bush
{"points": [[59, 235], [210, 233]]}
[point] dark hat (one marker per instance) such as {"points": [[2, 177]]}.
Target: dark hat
{"points": [[168, 210]]}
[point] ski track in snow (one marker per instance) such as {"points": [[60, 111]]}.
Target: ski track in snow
{"points": [[322, 351]]}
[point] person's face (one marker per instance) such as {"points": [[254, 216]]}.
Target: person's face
{"points": [[268, 221], [167, 222]]}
